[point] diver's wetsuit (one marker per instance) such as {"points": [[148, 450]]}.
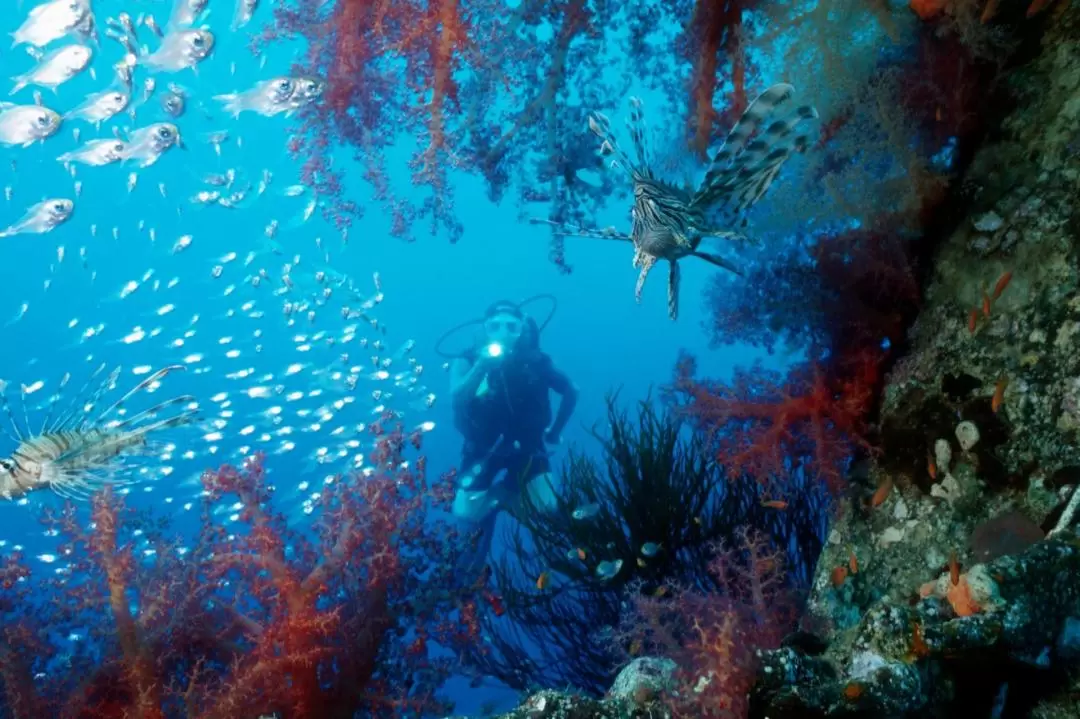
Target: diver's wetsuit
{"points": [[504, 426]]}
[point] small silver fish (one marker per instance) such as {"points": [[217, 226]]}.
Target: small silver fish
{"points": [[650, 549], [586, 511], [95, 153], [125, 40], [267, 97], [174, 102], [56, 68], [186, 12], [41, 218], [52, 21], [607, 570], [306, 90], [101, 106], [23, 125], [244, 10], [151, 23], [147, 144], [181, 49], [124, 70]]}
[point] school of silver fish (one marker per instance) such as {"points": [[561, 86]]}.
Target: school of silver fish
{"points": [[291, 359]]}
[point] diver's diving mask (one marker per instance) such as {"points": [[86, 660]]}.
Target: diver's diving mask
{"points": [[503, 325], [503, 330]]}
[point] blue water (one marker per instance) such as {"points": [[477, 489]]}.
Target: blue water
{"points": [[600, 337]]}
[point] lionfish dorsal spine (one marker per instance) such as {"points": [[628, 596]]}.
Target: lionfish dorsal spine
{"points": [[600, 126]]}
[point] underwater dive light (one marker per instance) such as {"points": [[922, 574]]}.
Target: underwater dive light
{"points": [[494, 349]]}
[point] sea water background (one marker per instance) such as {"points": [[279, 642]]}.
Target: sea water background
{"points": [[599, 336]]}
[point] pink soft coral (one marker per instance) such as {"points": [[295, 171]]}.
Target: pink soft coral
{"points": [[714, 637]]}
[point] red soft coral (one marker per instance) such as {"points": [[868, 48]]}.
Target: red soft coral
{"points": [[767, 427]]}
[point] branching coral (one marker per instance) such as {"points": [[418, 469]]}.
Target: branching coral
{"points": [[771, 428], [652, 487], [489, 97], [714, 637], [245, 623]]}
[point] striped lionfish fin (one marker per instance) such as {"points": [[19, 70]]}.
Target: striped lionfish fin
{"points": [[16, 433], [118, 404], [600, 126], [85, 400], [719, 262], [565, 230], [754, 152], [646, 263], [635, 123], [187, 415], [674, 275]]}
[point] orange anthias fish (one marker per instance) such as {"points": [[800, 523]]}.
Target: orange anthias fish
{"points": [[838, 576], [1002, 283], [882, 493], [999, 394], [542, 581], [774, 504], [954, 569]]}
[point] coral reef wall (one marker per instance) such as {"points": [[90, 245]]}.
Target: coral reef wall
{"points": [[966, 596], [960, 601]]}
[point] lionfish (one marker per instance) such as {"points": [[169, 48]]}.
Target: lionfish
{"points": [[78, 451], [669, 222]]}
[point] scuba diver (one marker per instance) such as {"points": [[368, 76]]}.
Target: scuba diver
{"points": [[500, 388]]}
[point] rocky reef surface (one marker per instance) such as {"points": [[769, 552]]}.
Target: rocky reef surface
{"points": [[966, 599]]}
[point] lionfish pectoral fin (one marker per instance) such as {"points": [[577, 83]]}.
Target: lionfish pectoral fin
{"points": [[755, 114], [743, 168], [719, 262], [179, 420], [638, 131], [558, 228], [673, 291], [646, 263], [77, 485], [153, 411], [152, 379]]}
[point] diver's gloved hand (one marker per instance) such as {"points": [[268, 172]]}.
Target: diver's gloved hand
{"points": [[552, 437]]}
